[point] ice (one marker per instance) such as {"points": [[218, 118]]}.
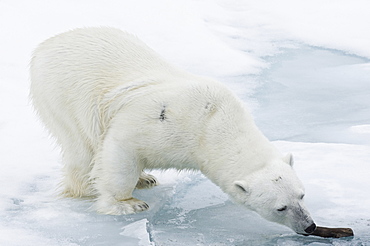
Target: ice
{"points": [[138, 230], [320, 93], [361, 129], [302, 67]]}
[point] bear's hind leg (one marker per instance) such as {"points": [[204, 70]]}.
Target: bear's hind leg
{"points": [[76, 170], [146, 181], [77, 154]]}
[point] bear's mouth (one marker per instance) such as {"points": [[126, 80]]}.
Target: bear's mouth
{"points": [[310, 229]]}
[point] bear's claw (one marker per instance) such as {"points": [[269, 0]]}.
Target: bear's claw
{"points": [[146, 181], [142, 207]]}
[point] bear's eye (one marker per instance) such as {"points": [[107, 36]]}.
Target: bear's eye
{"points": [[282, 209]]}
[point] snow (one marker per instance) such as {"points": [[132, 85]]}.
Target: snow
{"points": [[302, 67]]}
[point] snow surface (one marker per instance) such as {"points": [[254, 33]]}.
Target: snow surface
{"points": [[302, 66]]}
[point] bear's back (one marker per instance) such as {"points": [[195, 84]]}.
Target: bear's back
{"points": [[100, 55], [73, 72]]}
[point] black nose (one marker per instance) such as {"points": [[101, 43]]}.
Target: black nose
{"points": [[310, 229]]}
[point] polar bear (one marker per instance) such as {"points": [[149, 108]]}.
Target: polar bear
{"points": [[117, 108]]}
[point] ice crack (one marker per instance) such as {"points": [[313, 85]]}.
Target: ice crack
{"points": [[139, 230], [149, 229]]}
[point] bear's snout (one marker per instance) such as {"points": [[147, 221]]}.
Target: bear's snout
{"points": [[311, 228]]}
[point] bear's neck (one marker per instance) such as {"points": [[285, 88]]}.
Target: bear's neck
{"points": [[236, 152]]}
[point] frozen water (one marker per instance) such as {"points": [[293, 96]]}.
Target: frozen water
{"points": [[138, 230], [317, 94], [303, 68]]}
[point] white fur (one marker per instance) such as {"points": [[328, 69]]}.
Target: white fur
{"points": [[116, 108]]}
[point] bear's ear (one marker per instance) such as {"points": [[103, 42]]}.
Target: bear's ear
{"points": [[242, 186], [289, 159]]}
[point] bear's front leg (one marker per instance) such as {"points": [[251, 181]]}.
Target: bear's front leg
{"points": [[115, 175]]}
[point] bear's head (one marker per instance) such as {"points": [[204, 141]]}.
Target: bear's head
{"points": [[276, 193]]}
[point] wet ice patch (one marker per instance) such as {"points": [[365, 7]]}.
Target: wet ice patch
{"points": [[188, 194], [314, 94]]}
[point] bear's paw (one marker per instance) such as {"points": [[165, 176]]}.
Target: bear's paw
{"points": [[127, 206]]}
